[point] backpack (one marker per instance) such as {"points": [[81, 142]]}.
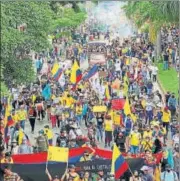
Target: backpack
{"points": [[31, 111], [39, 107], [173, 175]]}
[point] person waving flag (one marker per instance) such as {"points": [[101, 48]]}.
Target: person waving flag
{"points": [[76, 74], [119, 165]]}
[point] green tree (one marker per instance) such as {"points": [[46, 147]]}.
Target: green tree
{"points": [[16, 44], [156, 12], [66, 19], [38, 19]]}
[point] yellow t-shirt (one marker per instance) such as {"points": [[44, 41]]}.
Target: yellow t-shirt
{"points": [[108, 126], [15, 118], [33, 98], [116, 118], [53, 97], [79, 110], [69, 101], [22, 115], [154, 123], [149, 134], [166, 117], [147, 145], [111, 113], [48, 133], [61, 100], [163, 131], [67, 72], [9, 161], [135, 139]]}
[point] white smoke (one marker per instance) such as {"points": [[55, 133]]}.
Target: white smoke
{"points": [[110, 15]]}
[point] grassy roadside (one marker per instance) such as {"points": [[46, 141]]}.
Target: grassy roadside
{"points": [[168, 79]]}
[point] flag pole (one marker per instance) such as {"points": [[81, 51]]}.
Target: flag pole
{"points": [[46, 164], [130, 170]]}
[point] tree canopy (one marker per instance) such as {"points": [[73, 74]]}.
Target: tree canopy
{"points": [[25, 26], [154, 13]]}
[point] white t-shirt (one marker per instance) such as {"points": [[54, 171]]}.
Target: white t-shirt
{"points": [[72, 135], [156, 99], [79, 132], [121, 94], [170, 38], [154, 70], [149, 106], [118, 66], [176, 139]]}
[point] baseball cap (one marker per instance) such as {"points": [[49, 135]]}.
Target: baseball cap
{"points": [[145, 168]]}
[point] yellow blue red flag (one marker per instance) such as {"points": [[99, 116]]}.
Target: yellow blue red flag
{"points": [[76, 74], [119, 165]]}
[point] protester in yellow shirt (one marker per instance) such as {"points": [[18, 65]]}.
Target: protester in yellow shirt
{"points": [[146, 144], [87, 156], [166, 118], [108, 127], [69, 101], [6, 158], [14, 116], [148, 133], [135, 139], [79, 113], [22, 116], [48, 132]]}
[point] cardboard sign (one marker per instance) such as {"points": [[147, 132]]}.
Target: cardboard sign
{"points": [[102, 74], [97, 59], [99, 109]]}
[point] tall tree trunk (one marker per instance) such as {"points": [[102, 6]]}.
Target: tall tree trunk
{"points": [[158, 45]]}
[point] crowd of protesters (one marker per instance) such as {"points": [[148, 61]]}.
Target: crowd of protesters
{"points": [[169, 47], [130, 73]]}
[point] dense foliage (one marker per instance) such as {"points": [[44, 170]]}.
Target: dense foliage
{"points": [[25, 26], [153, 14]]}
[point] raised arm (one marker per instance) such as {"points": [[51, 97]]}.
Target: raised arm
{"points": [[49, 175]]}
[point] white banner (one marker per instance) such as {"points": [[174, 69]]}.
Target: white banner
{"points": [[97, 59]]}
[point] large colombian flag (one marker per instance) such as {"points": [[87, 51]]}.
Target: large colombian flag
{"points": [[76, 73], [119, 165], [33, 166]]}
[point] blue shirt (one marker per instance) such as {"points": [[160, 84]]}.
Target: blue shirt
{"points": [[128, 123], [38, 63], [85, 108], [169, 176], [172, 102]]}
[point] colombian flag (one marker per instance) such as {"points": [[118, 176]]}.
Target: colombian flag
{"points": [[119, 165], [76, 73], [56, 71], [55, 68], [91, 72], [58, 74]]}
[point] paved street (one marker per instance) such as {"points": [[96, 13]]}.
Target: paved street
{"points": [[40, 125]]}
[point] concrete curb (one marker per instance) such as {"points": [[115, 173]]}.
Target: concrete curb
{"points": [[161, 86]]}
